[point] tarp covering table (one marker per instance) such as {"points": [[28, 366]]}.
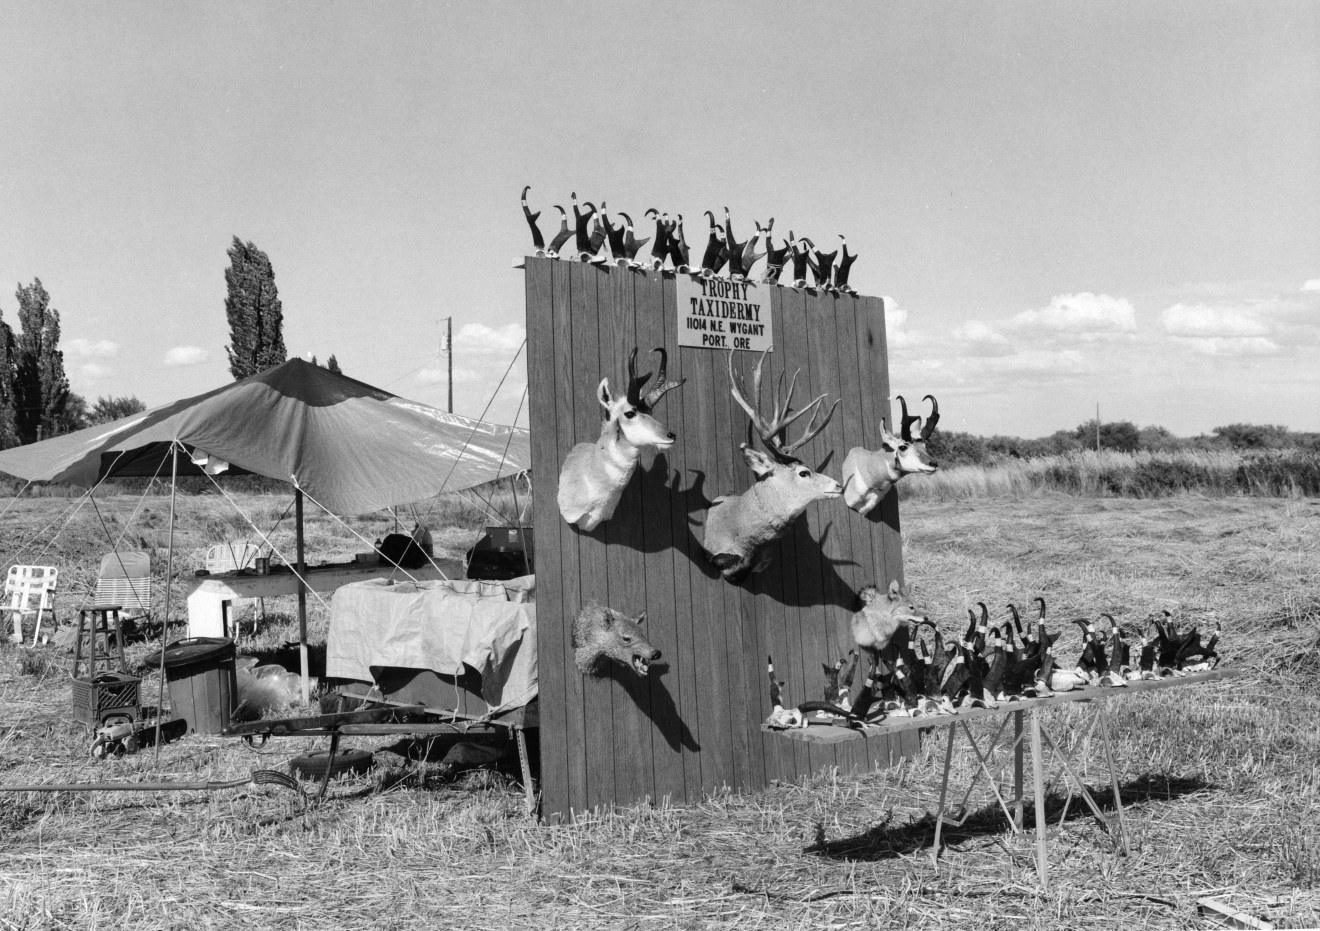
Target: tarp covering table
{"points": [[439, 626]]}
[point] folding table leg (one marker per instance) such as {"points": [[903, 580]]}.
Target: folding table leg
{"points": [[944, 794], [1038, 777], [1070, 770], [1018, 802], [991, 749], [983, 761], [1113, 777]]}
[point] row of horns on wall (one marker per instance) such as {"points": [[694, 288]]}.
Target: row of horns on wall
{"points": [[592, 231]]}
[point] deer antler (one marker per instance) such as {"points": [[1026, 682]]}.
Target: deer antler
{"points": [[661, 388], [773, 432]]}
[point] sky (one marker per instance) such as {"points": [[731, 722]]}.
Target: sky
{"points": [[1062, 204]]}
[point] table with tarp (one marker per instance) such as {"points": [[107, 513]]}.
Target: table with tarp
{"points": [[462, 651]]}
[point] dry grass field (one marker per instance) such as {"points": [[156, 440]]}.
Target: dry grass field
{"points": [[1222, 781]]}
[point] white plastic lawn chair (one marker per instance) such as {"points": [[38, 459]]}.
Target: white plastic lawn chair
{"points": [[226, 557], [25, 585]]}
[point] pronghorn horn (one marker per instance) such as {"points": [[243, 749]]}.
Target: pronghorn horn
{"points": [[635, 382], [1017, 619], [1042, 607], [906, 430], [929, 426], [662, 387]]}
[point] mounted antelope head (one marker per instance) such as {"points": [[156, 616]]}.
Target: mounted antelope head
{"points": [[594, 474], [868, 476], [740, 528]]}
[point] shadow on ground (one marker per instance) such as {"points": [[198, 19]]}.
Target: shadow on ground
{"points": [[887, 841]]}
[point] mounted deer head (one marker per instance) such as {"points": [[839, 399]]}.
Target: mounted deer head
{"points": [[868, 476], [594, 474], [740, 528]]}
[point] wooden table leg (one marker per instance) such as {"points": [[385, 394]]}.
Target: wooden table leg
{"points": [[944, 794], [1038, 777], [1018, 802]]}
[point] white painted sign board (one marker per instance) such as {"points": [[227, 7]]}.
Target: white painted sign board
{"points": [[716, 313]]}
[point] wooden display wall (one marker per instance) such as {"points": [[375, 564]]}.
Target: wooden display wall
{"points": [[694, 724]]}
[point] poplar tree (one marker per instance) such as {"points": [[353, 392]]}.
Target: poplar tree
{"points": [[333, 364], [41, 389], [256, 321], [8, 361]]}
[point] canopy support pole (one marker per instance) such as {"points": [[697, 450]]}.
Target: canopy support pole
{"points": [[165, 615], [302, 596]]}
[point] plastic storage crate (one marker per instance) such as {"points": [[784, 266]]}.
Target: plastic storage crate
{"points": [[93, 696]]}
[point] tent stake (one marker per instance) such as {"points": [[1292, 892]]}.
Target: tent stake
{"points": [[302, 596]]}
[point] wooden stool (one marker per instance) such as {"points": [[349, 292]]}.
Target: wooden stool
{"points": [[104, 621]]}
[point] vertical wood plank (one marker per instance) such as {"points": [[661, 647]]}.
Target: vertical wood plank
{"points": [[593, 574], [633, 767], [551, 628], [798, 547], [568, 412], [655, 321], [711, 445], [680, 680]]}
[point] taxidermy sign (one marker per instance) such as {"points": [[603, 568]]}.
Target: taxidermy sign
{"points": [[716, 313]]}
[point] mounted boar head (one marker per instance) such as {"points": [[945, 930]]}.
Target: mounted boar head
{"points": [[594, 474], [868, 475], [740, 528]]}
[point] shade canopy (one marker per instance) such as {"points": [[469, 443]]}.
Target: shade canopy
{"points": [[349, 446]]}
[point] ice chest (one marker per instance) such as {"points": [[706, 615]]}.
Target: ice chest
{"points": [[203, 681]]}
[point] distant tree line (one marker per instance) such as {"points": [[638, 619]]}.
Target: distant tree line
{"points": [[955, 448]]}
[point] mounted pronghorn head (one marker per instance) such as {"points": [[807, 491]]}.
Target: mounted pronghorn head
{"points": [[740, 528], [868, 475], [594, 474]]}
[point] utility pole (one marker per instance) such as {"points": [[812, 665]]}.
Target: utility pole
{"points": [[1097, 426], [447, 347]]}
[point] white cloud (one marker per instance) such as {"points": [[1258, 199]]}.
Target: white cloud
{"points": [[1233, 345], [91, 370], [1202, 321], [1041, 363], [1312, 284], [477, 337], [92, 349], [186, 355], [1082, 313], [896, 318], [439, 375], [981, 339]]}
